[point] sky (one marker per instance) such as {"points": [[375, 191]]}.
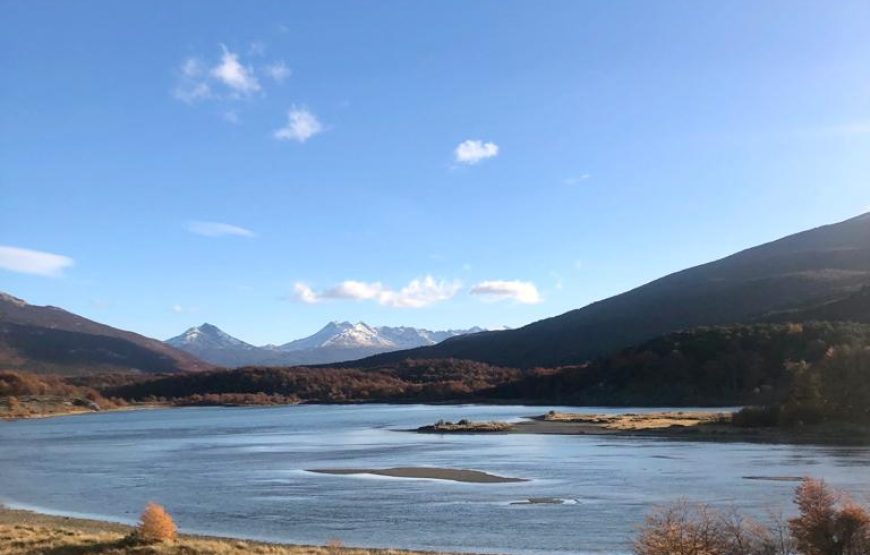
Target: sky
{"points": [[269, 167]]}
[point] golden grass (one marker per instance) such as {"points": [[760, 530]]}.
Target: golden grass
{"points": [[24, 539], [646, 421]]}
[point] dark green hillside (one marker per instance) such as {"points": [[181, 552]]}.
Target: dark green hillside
{"points": [[734, 365], [796, 273]]}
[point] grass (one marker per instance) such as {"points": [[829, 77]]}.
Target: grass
{"points": [[25, 539], [465, 426], [645, 421]]}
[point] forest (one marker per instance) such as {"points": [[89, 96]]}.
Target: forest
{"points": [[786, 374]]}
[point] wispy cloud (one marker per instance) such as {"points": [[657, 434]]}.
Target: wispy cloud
{"points": [[419, 293], [278, 71], [191, 86], [257, 48], [301, 126], [234, 75], [473, 151], [226, 79], [498, 290], [574, 180], [38, 263], [218, 229]]}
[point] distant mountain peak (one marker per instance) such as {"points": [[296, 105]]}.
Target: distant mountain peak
{"points": [[206, 336], [337, 341]]}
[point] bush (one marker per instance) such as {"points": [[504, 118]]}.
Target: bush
{"points": [[155, 524], [695, 529], [828, 524]]}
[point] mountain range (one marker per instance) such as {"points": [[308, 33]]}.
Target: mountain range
{"points": [[823, 273], [820, 274], [335, 342]]}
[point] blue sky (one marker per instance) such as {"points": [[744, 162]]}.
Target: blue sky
{"points": [[269, 167]]}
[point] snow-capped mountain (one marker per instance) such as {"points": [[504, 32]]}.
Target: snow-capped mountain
{"points": [[344, 335], [214, 345], [335, 342], [208, 336], [340, 335]]}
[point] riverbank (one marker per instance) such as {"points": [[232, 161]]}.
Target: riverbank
{"points": [[31, 407], [685, 425], [31, 533]]}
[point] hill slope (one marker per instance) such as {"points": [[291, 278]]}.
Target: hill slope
{"points": [[815, 268], [47, 339]]}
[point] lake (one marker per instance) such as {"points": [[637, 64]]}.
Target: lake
{"points": [[242, 472]]}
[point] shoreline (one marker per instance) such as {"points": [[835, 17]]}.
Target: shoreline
{"points": [[678, 425], [693, 425], [24, 531], [79, 411]]}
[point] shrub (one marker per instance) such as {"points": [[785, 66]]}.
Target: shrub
{"points": [[685, 528], [155, 524], [829, 523]]}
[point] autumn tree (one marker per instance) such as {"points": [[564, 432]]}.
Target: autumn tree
{"points": [[155, 524], [829, 523]]}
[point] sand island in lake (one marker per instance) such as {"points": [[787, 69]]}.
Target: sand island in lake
{"points": [[431, 473]]}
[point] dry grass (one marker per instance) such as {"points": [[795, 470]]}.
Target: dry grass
{"points": [[647, 421], [23, 539], [466, 426]]}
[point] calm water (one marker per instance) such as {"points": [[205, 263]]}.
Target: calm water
{"points": [[241, 472]]}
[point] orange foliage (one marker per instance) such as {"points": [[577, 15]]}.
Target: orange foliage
{"points": [[829, 524], [155, 524]]}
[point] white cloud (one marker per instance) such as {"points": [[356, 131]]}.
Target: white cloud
{"points": [[473, 151], [304, 293], [496, 290], [301, 126], [278, 71], [183, 309], [357, 290], [217, 229], [418, 293], [234, 75], [26, 261]]}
